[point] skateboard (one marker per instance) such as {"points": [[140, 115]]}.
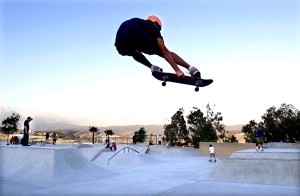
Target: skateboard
{"points": [[189, 80]]}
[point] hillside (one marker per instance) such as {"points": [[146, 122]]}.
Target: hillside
{"points": [[234, 129], [120, 130]]}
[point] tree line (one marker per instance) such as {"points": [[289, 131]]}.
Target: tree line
{"points": [[280, 125], [197, 127]]}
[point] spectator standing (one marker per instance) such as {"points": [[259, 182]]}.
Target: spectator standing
{"points": [[54, 138], [26, 132], [159, 139], [47, 136]]}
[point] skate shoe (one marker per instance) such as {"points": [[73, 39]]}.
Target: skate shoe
{"points": [[156, 68], [193, 71]]}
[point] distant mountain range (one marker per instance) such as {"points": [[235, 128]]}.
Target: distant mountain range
{"points": [[121, 130], [56, 124]]}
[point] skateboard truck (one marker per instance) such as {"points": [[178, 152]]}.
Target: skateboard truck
{"points": [[165, 78], [198, 84]]}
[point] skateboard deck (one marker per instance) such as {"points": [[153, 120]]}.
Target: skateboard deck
{"points": [[188, 80]]}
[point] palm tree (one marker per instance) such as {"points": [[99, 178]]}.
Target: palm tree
{"points": [[108, 133], [93, 130]]}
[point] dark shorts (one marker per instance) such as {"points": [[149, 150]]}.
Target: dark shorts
{"points": [[123, 43], [259, 140], [131, 38]]}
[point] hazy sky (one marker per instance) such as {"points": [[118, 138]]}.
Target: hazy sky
{"points": [[58, 59]]}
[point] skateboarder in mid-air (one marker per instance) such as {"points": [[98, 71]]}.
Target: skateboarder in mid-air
{"points": [[137, 36]]}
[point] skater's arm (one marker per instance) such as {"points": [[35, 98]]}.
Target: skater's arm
{"points": [[179, 60], [166, 54]]}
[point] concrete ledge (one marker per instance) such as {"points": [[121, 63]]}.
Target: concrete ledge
{"points": [[269, 153], [277, 167], [282, 145], [226, 149]]}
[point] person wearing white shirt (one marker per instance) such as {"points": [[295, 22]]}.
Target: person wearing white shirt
{"points": [[212, 153]]}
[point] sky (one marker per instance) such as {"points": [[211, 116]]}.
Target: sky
{"points": [[58, 59]]}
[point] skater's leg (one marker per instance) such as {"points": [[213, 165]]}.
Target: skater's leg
{"points": [[139, 57], [192, 70]]}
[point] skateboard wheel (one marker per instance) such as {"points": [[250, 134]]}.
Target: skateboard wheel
{"points": [[196, 89], [163, 84]]}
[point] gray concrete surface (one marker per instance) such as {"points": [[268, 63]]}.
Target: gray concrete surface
{"points": [[272, 166]]}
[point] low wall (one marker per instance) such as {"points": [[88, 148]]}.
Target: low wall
{"points": [[224, 149], [282, 145]]}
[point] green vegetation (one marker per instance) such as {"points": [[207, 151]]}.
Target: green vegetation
{"points": [[201, 128], [280, 125], [10, 125], [140, 135]]}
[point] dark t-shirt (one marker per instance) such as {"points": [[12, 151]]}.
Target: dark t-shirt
{"points": [[259, 133], [26, 124], [137, 34]]}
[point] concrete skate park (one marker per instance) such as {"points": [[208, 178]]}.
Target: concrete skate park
{"points": [[86, 169]]}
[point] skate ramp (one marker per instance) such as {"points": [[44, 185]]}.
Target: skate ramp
{"points": [[141, 148], [273, 166], [134, 159], [80, 146], [124, 156], [47, 166], [98, 151]]}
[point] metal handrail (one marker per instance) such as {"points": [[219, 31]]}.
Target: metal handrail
{"points": [[129, 148]]}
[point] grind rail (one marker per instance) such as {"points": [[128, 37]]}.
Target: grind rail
{"points": [[123, 149]]}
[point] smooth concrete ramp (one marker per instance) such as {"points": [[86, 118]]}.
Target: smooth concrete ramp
{"points": [[127, 155], [47, 166], [273, 166]]}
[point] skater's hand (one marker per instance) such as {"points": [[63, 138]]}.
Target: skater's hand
{"points": [[179, 74]]}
